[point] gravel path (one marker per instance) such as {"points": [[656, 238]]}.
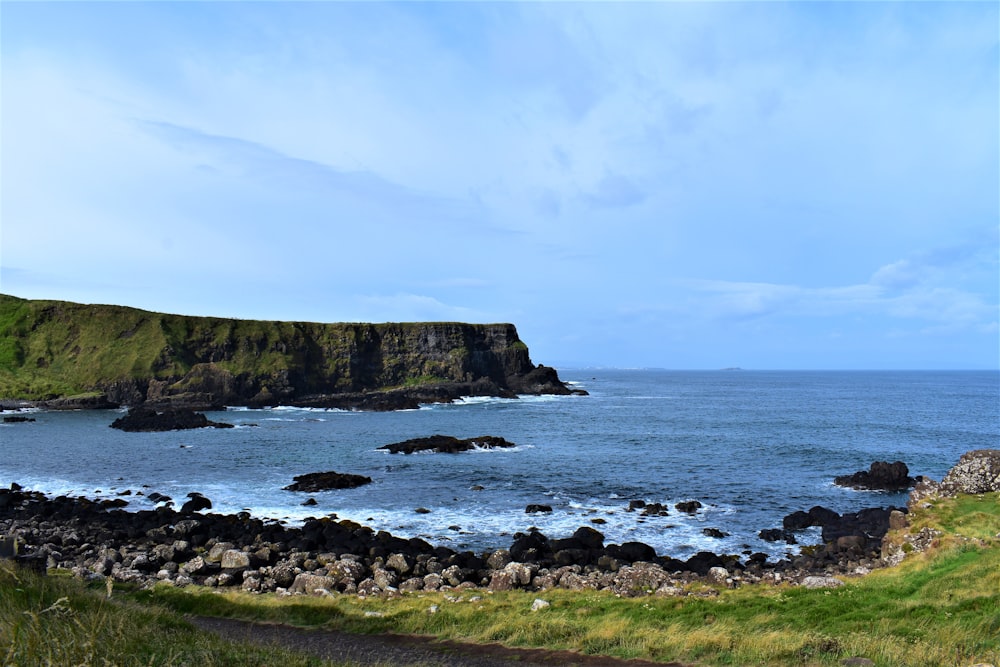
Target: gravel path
{"points": [[401, 650]]}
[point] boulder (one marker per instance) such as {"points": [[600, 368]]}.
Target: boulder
{"points": [[976, 472], [196, 503], [312, 584], [777, 535], [881, 476], [688, 506], [537, 509]]}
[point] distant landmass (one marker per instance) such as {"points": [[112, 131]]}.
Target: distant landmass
{"points": [[70, 355]]}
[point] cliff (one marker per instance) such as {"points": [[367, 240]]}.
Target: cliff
{"points": [[76, 355]]}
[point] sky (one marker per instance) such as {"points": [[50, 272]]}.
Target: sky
{"points": [[762, 185]]}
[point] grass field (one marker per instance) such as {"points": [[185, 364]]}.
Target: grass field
{"points": [[941, 607]]}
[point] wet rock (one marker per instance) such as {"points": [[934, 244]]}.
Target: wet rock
{"points": [[446, 444], [777, 535], [881, 476], [631, 552], [196, 503], [145, 420], [537, 509], [325, 481], [688, 506]]}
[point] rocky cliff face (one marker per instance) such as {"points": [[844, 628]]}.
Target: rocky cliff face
{"points": [[126, 356]]}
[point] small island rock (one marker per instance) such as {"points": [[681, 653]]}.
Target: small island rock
{"points": [[446, 444], [325, 481]]}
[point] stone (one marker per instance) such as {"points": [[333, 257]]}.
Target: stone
{"points": [[688, 506], [538, 509], [233, 559], [446, 444], [145, 420], [214, 554], [196, 503], [498, 559], [976, 472], [817, 581], [312, 584], [881, 476], [540, 604], [325, 481]]}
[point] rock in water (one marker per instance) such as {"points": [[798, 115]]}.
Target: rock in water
{"points": [[145, 420], [324, 481], [197, 502], [881, 476], [447, 444]]}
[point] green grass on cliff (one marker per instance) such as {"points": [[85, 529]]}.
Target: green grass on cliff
{"points": [[51, 349]]}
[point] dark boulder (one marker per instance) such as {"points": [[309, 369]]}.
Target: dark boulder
{"points": [[777, 535], [446, 444], [823, 515], [871, 523], [530, 547], [537, 509], [881, 476], [688, 506], [589, 538], [196, 503], [631, 552], [325, 481], [146, 420], [18, 420], [798, 520]]}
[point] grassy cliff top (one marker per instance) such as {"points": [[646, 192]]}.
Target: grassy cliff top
{"points": [[50, 349]]}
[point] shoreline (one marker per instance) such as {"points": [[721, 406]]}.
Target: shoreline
{"points": [[99, 539]]}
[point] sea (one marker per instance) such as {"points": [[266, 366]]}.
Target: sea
{"points": [[750, 446]]}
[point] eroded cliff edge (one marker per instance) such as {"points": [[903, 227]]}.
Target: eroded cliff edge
{"points": [[76, 355]]}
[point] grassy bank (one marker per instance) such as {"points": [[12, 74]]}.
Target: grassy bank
{"points": [[941, 607], [56, 620]]}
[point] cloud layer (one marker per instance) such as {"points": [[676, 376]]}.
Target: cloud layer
{"points": [[687, 185]]}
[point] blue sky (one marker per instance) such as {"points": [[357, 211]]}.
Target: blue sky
{"points": [[677, 185]]}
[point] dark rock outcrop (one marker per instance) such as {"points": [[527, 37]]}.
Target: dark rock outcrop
{"points": [[325, 481], [446, 444], [881, 476], [148, 420]]}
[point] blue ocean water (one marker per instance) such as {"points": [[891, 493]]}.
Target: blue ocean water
{"points": [[751, 446]]}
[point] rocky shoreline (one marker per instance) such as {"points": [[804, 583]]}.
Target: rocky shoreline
{"points": [[99, 539]]}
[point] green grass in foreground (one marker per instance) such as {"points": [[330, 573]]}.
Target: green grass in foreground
{"points": [[937, 608], [56, 621]]}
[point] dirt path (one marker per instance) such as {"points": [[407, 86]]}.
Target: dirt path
{"points": [[401, 650]]}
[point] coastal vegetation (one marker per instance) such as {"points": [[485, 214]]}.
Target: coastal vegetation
{"points": [[940, 606]]}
